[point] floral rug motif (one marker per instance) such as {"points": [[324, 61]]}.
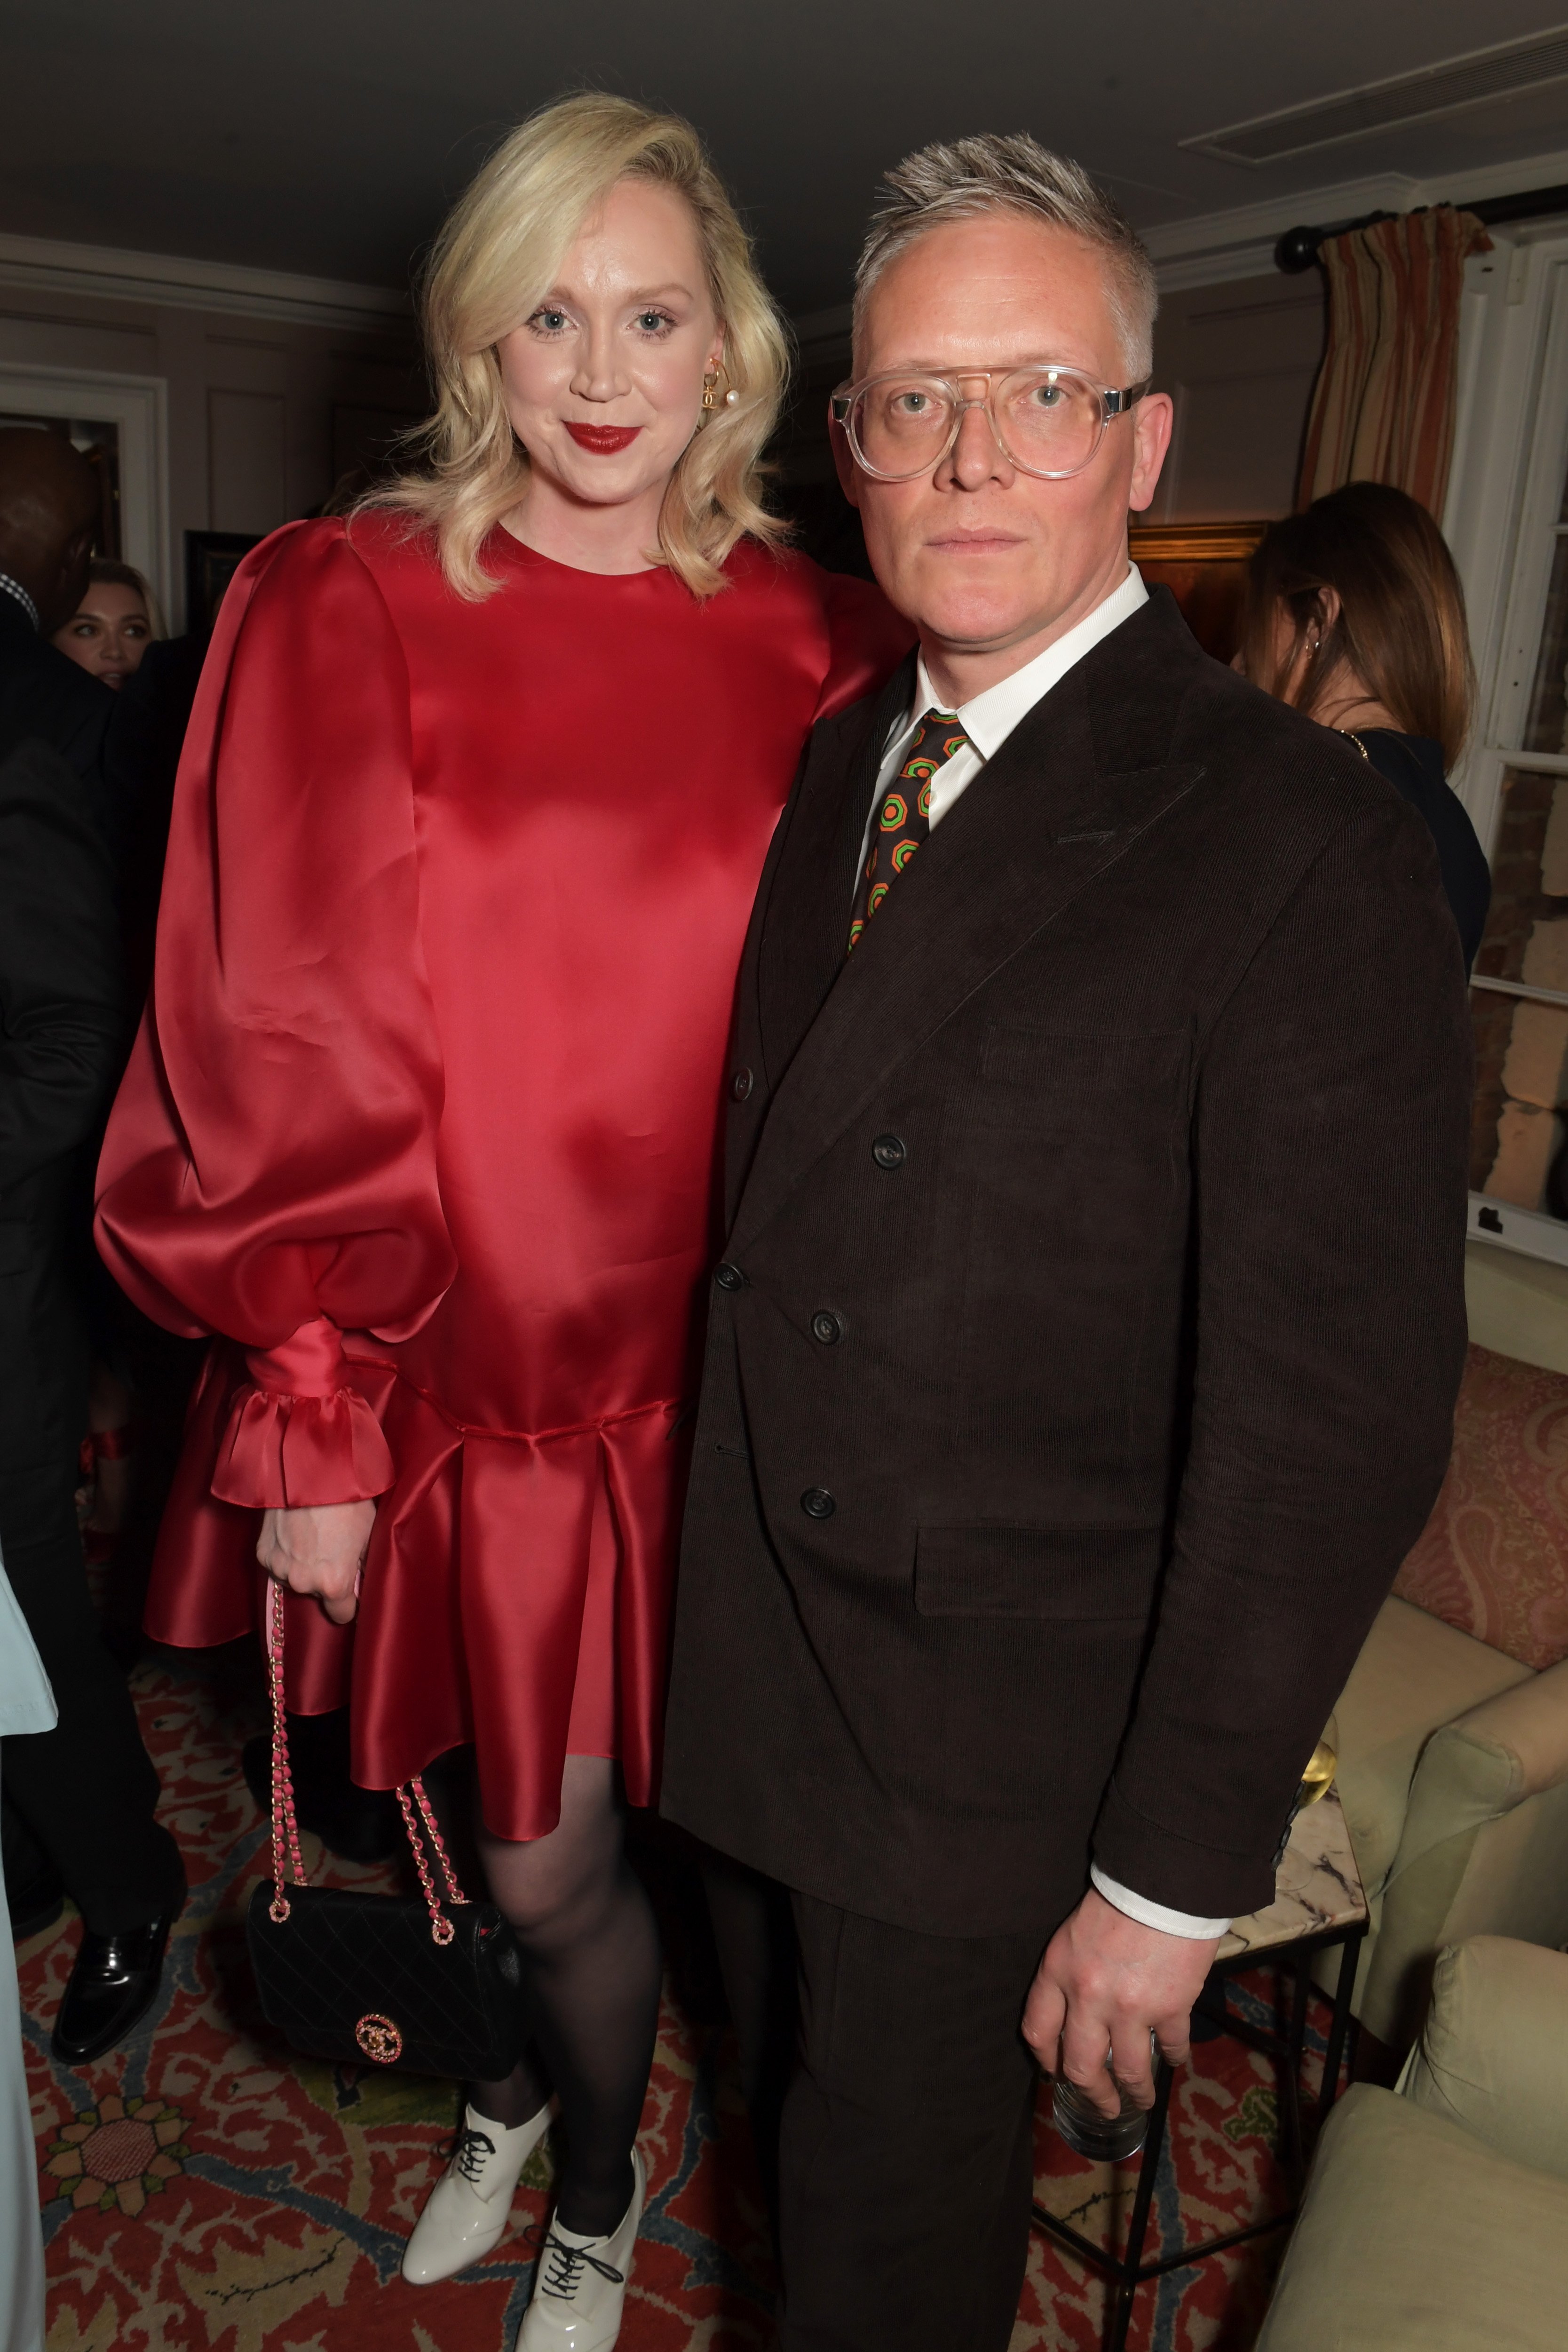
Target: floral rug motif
{"points": [[204, 2190]]}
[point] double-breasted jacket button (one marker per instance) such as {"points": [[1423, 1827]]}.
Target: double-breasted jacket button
{"points": [[741, 1085], [817, 1503], [890, 1151], [730, 1278], [827, 1327]]}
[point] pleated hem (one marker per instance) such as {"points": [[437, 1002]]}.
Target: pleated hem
{"points": [[517, 1594]]}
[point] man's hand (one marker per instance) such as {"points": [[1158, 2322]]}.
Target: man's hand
{"points": [[318, 1550], [1105, 1982]]}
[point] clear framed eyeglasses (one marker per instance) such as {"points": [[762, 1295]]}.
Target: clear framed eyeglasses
{"points": [[1048, 419]]}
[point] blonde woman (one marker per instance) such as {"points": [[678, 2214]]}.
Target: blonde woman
{"points": [[424, 1117]]}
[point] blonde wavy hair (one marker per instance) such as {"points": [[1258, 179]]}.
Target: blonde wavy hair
{"points": [[499, 253]]}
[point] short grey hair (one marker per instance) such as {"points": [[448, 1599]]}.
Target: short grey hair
{"points": [[1008, 171]]}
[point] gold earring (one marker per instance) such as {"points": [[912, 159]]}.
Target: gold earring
{"points": [[710, 386]]}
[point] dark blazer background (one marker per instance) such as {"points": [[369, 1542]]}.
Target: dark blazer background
{"points": [[78, 1801], [1084, 1357]]}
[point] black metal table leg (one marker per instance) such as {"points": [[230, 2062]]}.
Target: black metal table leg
{"points": [[1349, 1954], [1130, 2267], [1295, 2047]]}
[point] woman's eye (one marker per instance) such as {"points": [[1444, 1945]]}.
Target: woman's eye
{"points": [[550, 322], [654, 322]]}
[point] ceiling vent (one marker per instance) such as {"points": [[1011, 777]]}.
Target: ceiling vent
{"points": [[1508, 71]]}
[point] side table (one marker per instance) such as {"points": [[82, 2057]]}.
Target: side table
{"points": [[1319, 1905]]}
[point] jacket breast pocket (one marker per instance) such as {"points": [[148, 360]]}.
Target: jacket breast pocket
{"points": [[1068, 1573]]}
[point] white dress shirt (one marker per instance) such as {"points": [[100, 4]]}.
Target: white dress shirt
{"points": [[988, 721]]}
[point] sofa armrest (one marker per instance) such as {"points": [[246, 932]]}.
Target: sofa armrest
{"points": [[1531, 1722], [1493, 2055], [1474, 1774], [1488, 1760]]}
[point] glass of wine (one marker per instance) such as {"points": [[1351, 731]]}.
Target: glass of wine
{"points": [[1291, 1872]]}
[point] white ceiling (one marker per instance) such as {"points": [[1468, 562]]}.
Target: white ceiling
{"points": [[325, 136]]}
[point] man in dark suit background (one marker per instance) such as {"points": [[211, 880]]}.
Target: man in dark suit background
{"points": [[78, 1801], [1082, 1359]]}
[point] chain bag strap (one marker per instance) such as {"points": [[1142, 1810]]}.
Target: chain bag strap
{"points": [[286, 1852], [358, 1977]]}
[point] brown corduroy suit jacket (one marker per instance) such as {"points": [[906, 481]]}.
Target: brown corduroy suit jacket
{"points": [[1082, 1360]]}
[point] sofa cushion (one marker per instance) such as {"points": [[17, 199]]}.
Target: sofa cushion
{"points": [[1416, 2237], [1517, 1306], [1493, 2054], [1493, 1560], [1414, 1674]]}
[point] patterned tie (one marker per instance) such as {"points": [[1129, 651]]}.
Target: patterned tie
{"points": [[903, 816]]}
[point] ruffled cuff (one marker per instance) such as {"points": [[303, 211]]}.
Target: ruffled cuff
{"points": [[301, 1436]]}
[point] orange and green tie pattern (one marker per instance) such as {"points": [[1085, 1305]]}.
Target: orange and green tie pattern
{"points": [[903, 813]]}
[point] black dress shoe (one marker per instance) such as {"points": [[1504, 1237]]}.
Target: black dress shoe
{"points": [[110, 1989]]}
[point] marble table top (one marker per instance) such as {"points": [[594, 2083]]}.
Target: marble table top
{"points": [[1318, 1885]]}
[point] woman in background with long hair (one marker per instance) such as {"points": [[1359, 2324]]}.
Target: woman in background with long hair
{"points": [[1355, 614], [424, 1116]]}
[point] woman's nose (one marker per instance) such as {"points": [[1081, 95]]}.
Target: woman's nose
{"points": [[597, 377]]}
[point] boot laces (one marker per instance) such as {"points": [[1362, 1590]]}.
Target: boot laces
{"points": [[468, 2155], [564, 2267]]}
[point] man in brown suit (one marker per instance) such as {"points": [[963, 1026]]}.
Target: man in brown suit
{"points": [[1082, 1357]]}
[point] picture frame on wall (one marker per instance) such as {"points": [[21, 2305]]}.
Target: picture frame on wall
{"points": [[1204, 565], [211, 558]]}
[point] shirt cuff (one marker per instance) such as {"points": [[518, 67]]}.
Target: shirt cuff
{"points": [[1157, 1914]]}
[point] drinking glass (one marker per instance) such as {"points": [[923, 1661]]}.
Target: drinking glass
{"points": [[1104, 2139]]}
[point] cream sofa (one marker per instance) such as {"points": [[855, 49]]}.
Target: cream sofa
{"points": [[1453, 1757], [1435, 2218]]}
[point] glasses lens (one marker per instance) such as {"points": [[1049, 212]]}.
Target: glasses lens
{"points": [[902, 424], [1049, 420]]}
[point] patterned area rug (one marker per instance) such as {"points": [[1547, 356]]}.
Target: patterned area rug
{"points": [[203, 2189]]}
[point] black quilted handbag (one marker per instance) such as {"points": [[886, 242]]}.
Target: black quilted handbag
{"points": [[381, 1979]]}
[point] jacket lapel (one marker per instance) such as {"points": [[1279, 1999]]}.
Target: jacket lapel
{"points": [[807, 920], [1039, 825]]}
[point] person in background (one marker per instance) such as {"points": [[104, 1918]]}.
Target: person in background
{"points": [[425, 1114], [79, 1800], [113, 625], [1354, 613], [111, 630]]}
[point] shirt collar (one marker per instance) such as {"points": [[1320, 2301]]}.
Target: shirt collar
{"points": [[989, 718], [14, 588]]}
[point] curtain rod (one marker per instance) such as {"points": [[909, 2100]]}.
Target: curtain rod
{"points": [[1298, 248]]}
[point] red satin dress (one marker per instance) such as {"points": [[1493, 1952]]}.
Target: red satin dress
{"points": [[424, 1117]]}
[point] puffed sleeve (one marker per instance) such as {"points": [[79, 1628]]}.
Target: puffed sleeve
{"points": [[269, 1169], [866, 638]]}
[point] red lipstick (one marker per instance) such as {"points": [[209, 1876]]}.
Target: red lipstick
{"points": [[604, 440]]}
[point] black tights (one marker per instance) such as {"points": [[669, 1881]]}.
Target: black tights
{"points": [[590, 1963]]}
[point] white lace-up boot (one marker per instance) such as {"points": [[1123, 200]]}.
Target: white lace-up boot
{"points": [[579, 2286], [465, 2213]]}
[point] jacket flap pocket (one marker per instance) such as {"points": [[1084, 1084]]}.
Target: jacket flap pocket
{"points": [[1059, 1572]]}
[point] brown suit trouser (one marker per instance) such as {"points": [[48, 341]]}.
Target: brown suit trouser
{"points": [[906, 2148]]}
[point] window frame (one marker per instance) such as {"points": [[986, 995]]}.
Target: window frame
{"points": [[1503, 518]]}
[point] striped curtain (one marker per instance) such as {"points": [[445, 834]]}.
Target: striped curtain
{"points": [[1382, 408]]}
